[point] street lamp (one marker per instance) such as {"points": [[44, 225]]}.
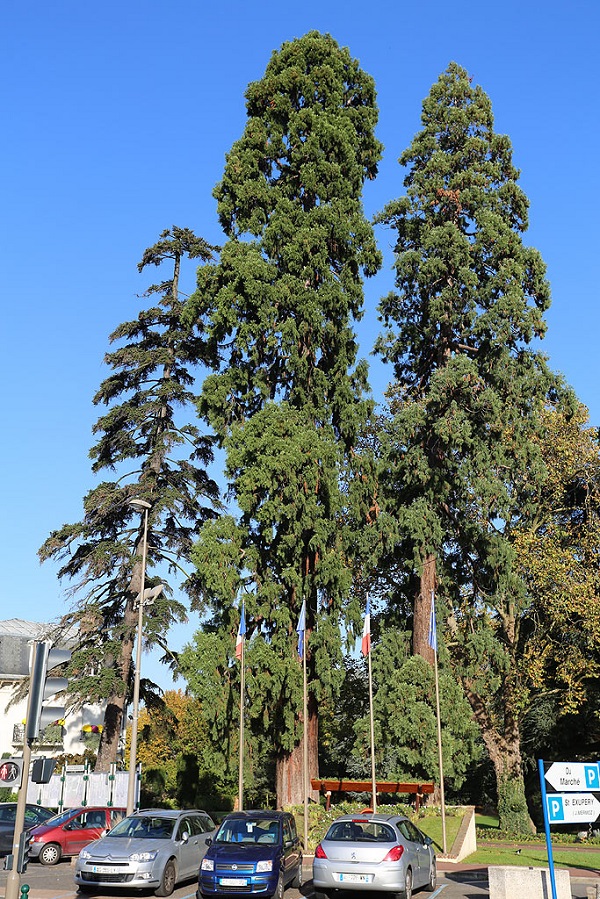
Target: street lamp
{"points": [[138, 504]]}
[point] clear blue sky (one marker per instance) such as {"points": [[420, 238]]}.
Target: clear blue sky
{"points": [[117, 117]]}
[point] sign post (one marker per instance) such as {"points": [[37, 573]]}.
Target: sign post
{"points": [[572, 799]]}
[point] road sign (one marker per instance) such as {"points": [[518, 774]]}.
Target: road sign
{"points": [[573, 777], [572, 808]]}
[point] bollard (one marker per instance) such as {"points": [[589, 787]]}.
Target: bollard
{"points": [[24, 890]]}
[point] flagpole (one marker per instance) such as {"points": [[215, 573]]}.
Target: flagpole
{"points": [[301, 631], [242, 691], [366, 651], [305, 750], [373, 782], [433, 644]]}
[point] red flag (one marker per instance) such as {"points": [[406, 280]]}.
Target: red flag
{"points": [[366, 635]]}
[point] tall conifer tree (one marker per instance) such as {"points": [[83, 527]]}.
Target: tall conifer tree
{"points": [[153, 373], [469, 390], [288, 400]]}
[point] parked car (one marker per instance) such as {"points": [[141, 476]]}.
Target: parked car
{"points": [[66, 834], [252, 852], [34, 814], [153, 848], [382, 853]]}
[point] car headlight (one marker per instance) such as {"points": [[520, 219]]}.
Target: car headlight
{"points": [[143, 856], [85, 854], [264, 866], [207, 864]]}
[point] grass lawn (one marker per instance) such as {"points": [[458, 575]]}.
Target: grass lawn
{"points": [[432, 826], [535, 856]]}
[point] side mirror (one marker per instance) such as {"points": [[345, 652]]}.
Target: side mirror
{"points": [[208, 841], [185, 836], [428, 841]]}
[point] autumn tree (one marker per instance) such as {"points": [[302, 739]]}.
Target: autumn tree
{"points": [[288, 399], [468, 396], [156, 456]]}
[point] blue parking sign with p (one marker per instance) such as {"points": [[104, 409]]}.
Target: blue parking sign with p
{"points": [[556, 809], [592, 778]]}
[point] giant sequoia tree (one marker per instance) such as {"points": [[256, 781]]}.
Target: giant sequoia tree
{"points": [[288, 399], [469, 392], [156, 458]]}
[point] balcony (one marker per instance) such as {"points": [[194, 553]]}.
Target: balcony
{"points": [[50, 738]]}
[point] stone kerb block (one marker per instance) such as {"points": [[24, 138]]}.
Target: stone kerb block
{"points": [[512, 881]]}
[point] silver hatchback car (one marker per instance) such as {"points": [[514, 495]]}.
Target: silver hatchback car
{"points": [[154, 848], [375, 853]]}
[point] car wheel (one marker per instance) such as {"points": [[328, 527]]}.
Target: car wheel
{"points": [[408, 884], [432, 882], [296, 882], [168, 879], [321, 894], [50, 854]]}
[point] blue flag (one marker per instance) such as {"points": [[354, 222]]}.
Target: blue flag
{"points": [[301, 628], [432, 625]]}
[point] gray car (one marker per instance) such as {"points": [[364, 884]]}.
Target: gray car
{"points": [[153, 848], [375, 853]]}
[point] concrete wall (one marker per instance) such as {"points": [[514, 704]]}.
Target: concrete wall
{"points": [[512, 881]]}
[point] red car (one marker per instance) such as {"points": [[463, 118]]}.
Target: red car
{"points": [[66, 834]]}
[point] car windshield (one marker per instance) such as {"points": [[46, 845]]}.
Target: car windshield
{"points": [[144, 827], [360, 831], [63, 816], [248, 830]]}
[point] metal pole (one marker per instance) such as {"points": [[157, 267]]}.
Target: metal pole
{"points": [[136, 683], [542, 774], [242, 691], [305, 744], [440, 758], [13, 878], [373, 781]]}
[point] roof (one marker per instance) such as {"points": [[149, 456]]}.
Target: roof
{"points": [[17, 627]]}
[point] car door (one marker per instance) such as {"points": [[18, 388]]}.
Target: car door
{"points": [[74, 835], [291, 849], [421, 875], [189, 850]]}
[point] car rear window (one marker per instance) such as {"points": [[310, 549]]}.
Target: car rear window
{"points": [[361, 832]]}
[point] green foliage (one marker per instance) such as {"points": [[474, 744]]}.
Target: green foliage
{"points": [[287, 398], [461, 462], [155, 458], [405, 718], [513, 813]]}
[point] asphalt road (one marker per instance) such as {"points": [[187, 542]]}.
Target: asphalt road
{"points": [[57, 883]]}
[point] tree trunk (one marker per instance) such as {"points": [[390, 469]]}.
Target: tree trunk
{"points": [[289, 779], [505, 754], [115, 703], [422, 611]]}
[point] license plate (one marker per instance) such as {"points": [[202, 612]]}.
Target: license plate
{"points": [[106, 869], [355, 878], [233, 882]]}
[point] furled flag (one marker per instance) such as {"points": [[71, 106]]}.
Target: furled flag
{"points": [[366, 636], [301, 629], [239, 643], [432, 625]]}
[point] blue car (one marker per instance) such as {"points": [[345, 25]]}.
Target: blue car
{"points": [[254, 852]]}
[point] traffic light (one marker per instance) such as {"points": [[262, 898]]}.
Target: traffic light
{"points": [[23, 854], [11, 772], [42, 770], [41, 687]]}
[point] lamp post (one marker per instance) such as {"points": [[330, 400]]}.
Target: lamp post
{"points": [[138, 504]]}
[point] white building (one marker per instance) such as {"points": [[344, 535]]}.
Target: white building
{"points": [[74, 737]]}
